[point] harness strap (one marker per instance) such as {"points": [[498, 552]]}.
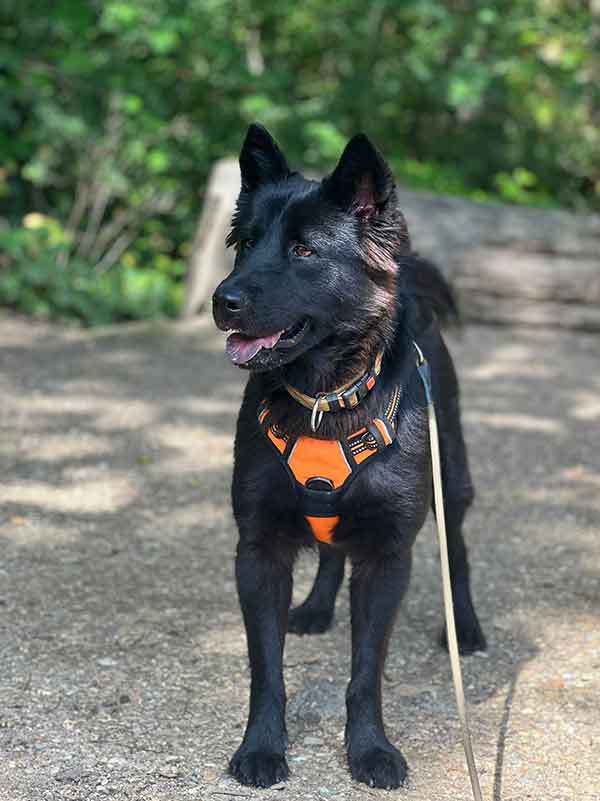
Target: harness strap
{"points": [[320, 470]]}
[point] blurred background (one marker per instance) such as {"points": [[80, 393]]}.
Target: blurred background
{"points": [[112, 114]]}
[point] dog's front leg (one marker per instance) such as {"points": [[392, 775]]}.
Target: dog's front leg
{"points": [[376, 590], [315, 615], [264, 581]]}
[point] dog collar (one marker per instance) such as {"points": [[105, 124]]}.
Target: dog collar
{"points": [[345, 397]]}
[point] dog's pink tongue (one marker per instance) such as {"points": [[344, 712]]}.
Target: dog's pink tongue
{"points": [[241, 348]]}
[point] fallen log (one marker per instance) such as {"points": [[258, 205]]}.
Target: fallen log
{"points": [[509, 264]]}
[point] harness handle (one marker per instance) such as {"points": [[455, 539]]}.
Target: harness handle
{"points": [[425, 375]]}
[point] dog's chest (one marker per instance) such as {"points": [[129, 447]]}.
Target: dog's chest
{"points": [[376, 474]]}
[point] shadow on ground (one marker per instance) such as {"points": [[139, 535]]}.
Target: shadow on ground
{"points": [[123, 667]]}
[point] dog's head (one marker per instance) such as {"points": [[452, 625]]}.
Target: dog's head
{"points": [[315, 261]]}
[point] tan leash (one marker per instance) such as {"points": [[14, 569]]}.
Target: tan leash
{"points": [[425, 375]]}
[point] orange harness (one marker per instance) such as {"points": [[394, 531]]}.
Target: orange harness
{"points": [[321, 469]]}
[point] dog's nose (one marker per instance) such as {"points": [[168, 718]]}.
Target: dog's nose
{"points": [[232, 301], [228, 305]]}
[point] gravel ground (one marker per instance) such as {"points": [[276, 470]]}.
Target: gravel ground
{"points": [[123, 671]]}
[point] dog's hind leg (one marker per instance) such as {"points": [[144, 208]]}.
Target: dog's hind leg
{"points": [[458, 496], [315, 615], [376, 590], [264, 580]]}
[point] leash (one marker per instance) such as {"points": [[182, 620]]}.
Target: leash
{"points": [[425, 375]]}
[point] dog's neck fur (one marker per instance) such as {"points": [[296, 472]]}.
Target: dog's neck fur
{"points": [[324, 369], [343, 358], [330, 367]]}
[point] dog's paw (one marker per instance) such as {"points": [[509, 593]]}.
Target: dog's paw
{"points": [[258, 768], [469, 635], [306, 620], [382, 767]]}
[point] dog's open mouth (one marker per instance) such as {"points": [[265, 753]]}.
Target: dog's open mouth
{"points": [[242, 348]]}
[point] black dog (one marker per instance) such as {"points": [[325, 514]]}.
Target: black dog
{"points": [[327, 299]]}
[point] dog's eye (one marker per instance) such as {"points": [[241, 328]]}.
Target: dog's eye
{"points": [[301, 251], [246, 244]]}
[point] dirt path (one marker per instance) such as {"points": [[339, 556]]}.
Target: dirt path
{"points": [[122, 655]]}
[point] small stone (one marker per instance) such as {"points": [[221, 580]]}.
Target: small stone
{"points": [[169, 771], [72, 775], [117, 762], [106, 661], [323, 699], [313, 741]]}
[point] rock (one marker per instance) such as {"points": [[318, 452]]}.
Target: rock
{"points": [[73, 775], [313, 741], [210, 776], [117, 763], [106, 661], [318, 700], [169, 771]]}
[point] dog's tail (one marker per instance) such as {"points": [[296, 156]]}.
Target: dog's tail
{"points": [[423, 281]]}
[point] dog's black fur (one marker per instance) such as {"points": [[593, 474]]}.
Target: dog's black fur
{"points": [[335, 255]]}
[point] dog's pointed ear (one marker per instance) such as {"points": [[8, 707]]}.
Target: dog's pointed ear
{"points": [[261, 160], [362, 182]]}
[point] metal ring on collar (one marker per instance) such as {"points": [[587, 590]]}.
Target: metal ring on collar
{"points": [[421, 358], [316, 415]]}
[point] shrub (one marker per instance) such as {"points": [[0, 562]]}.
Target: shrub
{"points": [[40, 276]]}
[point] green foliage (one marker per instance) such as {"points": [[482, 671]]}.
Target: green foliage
{"points": [[112, 112], [38, 277]]}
